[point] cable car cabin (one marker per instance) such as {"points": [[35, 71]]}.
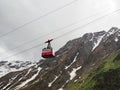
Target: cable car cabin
{"points": [[48, 51]]}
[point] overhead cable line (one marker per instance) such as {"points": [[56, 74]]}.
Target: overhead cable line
{"points": [[38, 45], [54, 31], [75, 29], [65, 33], [38, 18]]}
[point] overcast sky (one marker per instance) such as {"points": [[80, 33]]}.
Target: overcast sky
{"points": [[50, 19]]}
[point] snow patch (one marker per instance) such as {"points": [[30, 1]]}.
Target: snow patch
{"points": [[92, 37], [60, 89], [63, 85], [119, 34], [28, 72], [1, 84], [4, 88], [66, 67], [10, 82], [116, 39], [111, 32], [29, 80], [73, 73], [14, 77], [98, 42], [50, 84], [75, 80], [15, 83]]}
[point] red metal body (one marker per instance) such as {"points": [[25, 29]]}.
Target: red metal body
{"points": [[47, 54]]}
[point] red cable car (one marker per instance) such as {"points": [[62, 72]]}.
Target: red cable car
{"points": [[48, 51]]}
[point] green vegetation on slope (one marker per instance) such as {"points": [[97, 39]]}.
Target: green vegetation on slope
{"points": [[105, 75]]}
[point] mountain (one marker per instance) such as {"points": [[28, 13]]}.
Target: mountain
{"points": [[91, 62], [10, 66]]}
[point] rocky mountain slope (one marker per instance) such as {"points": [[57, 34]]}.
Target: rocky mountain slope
{"points": [[81, 64]]}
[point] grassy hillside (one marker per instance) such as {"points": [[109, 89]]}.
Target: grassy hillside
{"points": [[104, 75]]}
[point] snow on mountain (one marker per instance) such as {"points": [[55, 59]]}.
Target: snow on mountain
{"points": [[103, 36], [92, 40], [28, 72], [73, 72], [50, 84], [99, 38], [10, 81], [113, 31], [27, 81], [60, 89], [66, 67], [63, 85], [6, 67], [116, 39]]}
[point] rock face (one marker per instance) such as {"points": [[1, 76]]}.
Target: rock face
{"points": [[71, 62]]}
